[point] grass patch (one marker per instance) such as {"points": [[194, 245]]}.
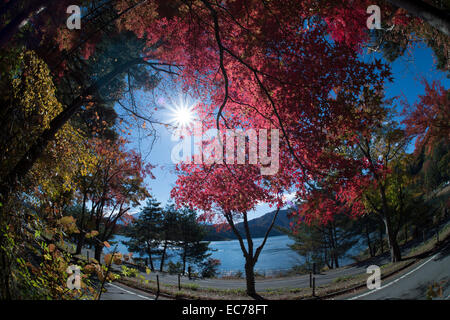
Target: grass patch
{"points": [[428, 245], [190, 286], [342, 279], [188, 291]]}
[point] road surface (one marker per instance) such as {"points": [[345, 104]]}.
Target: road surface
{"points": [[117, 291], [414, 283]]}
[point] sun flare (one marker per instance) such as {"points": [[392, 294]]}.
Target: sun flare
{"points": [[182, 115]]}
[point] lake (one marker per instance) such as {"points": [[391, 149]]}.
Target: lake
{"points": [[276, 255]]}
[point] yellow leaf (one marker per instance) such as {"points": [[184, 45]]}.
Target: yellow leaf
{"points": [[92, 234]]}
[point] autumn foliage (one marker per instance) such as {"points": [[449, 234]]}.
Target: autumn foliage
{"points": [[291, 66]]}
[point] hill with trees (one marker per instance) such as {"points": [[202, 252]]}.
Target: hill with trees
{"points": [[257, 226]]}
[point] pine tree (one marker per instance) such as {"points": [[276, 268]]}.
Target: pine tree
{"points": [[145, 232], [194, 251]]}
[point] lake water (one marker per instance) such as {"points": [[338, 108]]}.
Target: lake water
{"points": [[276, 255]]}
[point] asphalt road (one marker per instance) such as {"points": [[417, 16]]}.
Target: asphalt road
{"points": [[117, 291], [414, 283]]}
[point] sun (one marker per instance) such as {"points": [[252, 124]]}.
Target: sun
{"points": [[182, 115]]}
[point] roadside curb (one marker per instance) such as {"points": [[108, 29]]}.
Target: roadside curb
{"points": [[162, 294]]}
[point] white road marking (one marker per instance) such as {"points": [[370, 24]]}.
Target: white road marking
{"points": [[130, 292], [396, 280]]}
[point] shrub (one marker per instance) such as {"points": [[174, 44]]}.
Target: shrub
{"points": [[239, 274], [209, 268], [129, 272], [174, 268]]}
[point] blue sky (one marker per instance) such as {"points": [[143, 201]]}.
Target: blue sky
{"points": [[407, 70]]}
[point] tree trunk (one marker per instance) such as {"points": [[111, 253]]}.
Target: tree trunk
{"points": [[184, 257], [369, 244], [80, 242], [325, 258], [392, 240], [98, 252], [163, 256], [396, 255], [336, 261], [334, 245], [406, 233], [82, 234], [391, 234], [250, 277], [150, 259], [415, 232], [381, 240]]}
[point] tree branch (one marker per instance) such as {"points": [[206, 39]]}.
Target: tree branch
{"points": [[259, 249], [439, 19]]}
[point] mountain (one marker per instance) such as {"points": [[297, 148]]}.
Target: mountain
{"points": [[257, 226]]}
